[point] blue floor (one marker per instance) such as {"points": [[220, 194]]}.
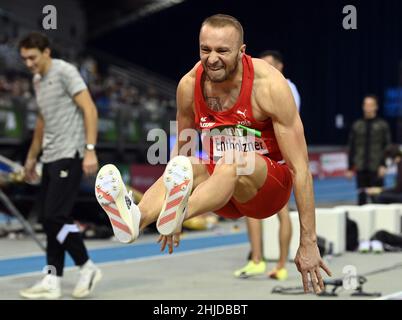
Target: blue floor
{"points": [[340, 189], [120, 253]]}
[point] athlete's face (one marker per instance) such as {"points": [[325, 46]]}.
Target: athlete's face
{"points": [[220, 51], [35, 59]]}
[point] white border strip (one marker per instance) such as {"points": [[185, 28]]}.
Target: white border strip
{"points": [[389, 296]]}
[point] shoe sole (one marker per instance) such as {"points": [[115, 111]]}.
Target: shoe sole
{"points": [[40, 296], [178, 180], [112, 196], [97, 278]]}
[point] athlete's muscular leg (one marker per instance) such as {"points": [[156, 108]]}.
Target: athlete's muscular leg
{"points": [[151, 203], [225, 183], [285, 235], [254, 229]]}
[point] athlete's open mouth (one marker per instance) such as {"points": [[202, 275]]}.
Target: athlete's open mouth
{"points": [[215, 68]]}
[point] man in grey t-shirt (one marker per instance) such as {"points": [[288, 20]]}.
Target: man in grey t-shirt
{"points": [[65, 133]]}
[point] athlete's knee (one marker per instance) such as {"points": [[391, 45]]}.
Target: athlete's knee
{"points": [[200, 171], [246, 163], [194, 160], [243, 180], [234, 157], [227, 170]]}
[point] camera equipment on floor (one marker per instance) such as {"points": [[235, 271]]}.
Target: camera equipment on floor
{"points": [[340, 283]]}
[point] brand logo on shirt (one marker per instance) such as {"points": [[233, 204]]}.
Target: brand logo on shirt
{"points": [[204, 124], [243, 113], [244, 122]]}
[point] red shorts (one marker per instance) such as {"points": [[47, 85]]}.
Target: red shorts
{"points": [[271, 198]]}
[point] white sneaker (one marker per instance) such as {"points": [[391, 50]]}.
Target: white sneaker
{"points": [[48, 288], [376, 246], [364, 246], [178, 180], [90, 274], [118, 204]]}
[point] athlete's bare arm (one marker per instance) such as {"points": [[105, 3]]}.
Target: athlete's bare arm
{"points": [[34, 150], [185, 109], [84, 101], [273, 97]]}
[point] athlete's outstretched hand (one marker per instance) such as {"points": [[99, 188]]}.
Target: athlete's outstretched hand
{"points": [[172, 240], [309, 262]]}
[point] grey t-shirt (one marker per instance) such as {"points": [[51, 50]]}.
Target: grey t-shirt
{"points": [[64, 132]]}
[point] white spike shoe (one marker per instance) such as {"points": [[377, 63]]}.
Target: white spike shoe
{"points": [[178, 180], [112, 195]]}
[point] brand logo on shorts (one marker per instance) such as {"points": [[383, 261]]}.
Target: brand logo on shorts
{"points": [[63, 173], [128, 202]]}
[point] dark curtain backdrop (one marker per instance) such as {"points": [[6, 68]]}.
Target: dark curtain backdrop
{"points": [[332, 67]]}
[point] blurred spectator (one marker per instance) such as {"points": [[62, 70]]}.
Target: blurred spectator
{"points": [[394, 194], [88, 69], [121, 101], [368, 140]]}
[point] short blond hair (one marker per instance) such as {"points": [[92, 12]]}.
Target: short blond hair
{"points": [[223, 20]]}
